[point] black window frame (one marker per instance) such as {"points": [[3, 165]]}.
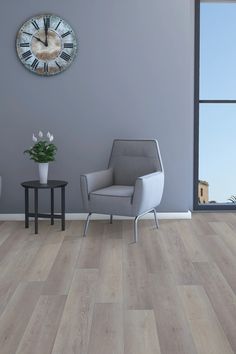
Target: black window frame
{"points": [[197, 102]]}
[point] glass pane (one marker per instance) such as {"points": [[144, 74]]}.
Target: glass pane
{"points": [[217, 153], [218, 51]]}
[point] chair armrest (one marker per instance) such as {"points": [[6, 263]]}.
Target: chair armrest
{"points": [[92, 181], [148, 192]]}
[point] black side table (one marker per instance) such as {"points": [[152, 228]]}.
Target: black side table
{"points": [[35, 185]]}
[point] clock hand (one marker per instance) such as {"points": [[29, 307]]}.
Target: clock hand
{"points": [[46, 34], [38, 39], [46, 31]]}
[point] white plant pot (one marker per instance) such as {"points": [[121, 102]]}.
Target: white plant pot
{"points": [[43, 173]]}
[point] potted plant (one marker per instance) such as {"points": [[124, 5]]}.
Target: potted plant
{"points": [[42, 152]]}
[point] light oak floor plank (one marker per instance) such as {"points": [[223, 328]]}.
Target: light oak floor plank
{"points": [[74, 228], [106, 335], [17, 314], [208, 335], [6, 230], [135, 268], [140, 332], [193, 247], [42, 328], [136, 291], [172, 325], [110, 282], [179, 259], [226, 233], [74, 330], [62, 271], [221, 255], [43, 262], [91, 247], [113, 230], [155, 257], [13, 273], [222, 298], [200, 223], [11, 245]]}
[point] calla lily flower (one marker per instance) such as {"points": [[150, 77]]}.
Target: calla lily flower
{"points": [[51, 138], [48, 135], [34, 138], [40, 134]]}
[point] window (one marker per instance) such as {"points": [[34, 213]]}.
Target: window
{"points": [[215, 105]]}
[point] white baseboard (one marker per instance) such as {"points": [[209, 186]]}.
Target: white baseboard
{"points": [[82, 216]]}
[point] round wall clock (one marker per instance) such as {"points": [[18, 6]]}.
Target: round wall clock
{"points": [[46, 44]]}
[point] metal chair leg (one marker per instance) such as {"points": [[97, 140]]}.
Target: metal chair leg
{"points": [[155, 217], [111, 218], [136, 229], [86, 224]]}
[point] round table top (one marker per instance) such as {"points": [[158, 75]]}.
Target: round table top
{"points": [[50, 184]]}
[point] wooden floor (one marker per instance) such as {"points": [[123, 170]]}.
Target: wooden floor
{"points": [[172, 292]]}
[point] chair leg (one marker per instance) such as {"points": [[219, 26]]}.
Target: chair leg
{"points": [[136, 229], [86, 224], [111, 218], [155, 217]]}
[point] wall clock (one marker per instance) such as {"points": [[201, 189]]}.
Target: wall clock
{"points": [[46, 44]]}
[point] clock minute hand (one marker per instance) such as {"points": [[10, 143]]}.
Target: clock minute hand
{"points": [[46, 31], [46, 34], [38, 39]]}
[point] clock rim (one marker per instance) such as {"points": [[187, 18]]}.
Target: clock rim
{"points": [[75, 53]]}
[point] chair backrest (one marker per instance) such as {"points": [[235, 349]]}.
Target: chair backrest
{"points": [[134, 158]]}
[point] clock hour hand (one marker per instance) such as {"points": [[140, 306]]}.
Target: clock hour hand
{"points": [[38, 39]]}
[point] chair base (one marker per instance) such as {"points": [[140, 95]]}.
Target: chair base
{"points": [[135, 222]]}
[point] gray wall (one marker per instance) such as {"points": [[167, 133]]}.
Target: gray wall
{"points": [[133, 78]]}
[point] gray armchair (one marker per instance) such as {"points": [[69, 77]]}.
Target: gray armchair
{"points": [[131, 186]]}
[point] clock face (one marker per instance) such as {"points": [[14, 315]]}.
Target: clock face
{"points": [[46, 45]]}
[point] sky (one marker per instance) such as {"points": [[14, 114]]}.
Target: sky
{"points": [[217, 131]]}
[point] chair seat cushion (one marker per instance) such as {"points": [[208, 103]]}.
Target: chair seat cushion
{"points": [[116, 200], [115, 191]]}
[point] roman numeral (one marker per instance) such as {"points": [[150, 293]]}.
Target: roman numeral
{"points": [[65, 56], [45, 66], [57, 25], [27, 55], [22, 45], [34, 23], [35, 64], [58, 65], [29, 34], [46, 21], [68, 45], [66, 34]]}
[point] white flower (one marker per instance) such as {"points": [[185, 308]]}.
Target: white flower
{"points": [[34, 138], [40, 134], [51, 138], [48, 135]]}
